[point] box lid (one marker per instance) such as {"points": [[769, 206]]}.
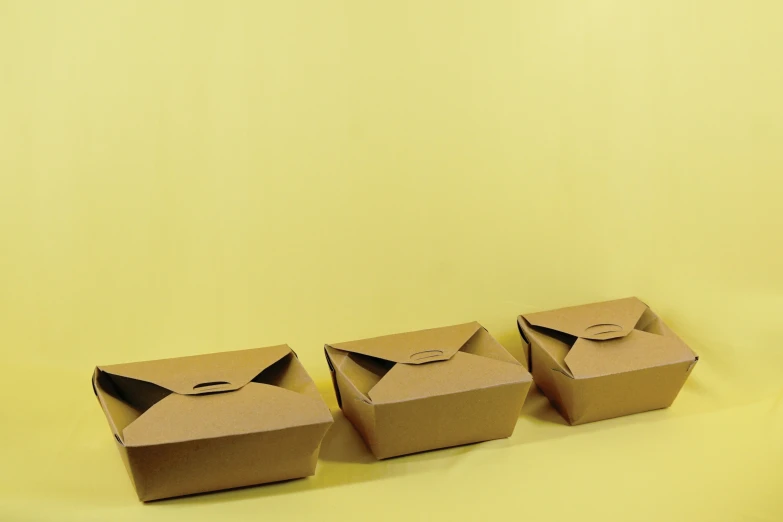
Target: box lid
{"points": [[200, 374], [597, 321], [609, 337], [424, 363], [423, 346], [210, 395]]}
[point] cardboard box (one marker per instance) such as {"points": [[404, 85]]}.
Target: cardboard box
{"points": [[605, 360], [216, 421], [429, 389]]}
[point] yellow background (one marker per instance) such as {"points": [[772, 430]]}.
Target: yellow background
{"points": [[188, 177]]}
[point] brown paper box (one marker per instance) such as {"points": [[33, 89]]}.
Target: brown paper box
{"points": [[216, 421], [429, 389], [605, 360]]}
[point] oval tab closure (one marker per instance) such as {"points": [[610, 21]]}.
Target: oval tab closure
{"points": [[602, 329], [426, 354], [213, 387]]}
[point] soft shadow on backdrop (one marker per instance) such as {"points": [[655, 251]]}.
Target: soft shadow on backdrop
{"points": [[186, 177]]}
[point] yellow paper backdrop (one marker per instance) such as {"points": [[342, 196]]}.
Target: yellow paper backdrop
{"points": [[183, 177]]}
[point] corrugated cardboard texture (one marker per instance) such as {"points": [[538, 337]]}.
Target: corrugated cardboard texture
{"points": [[216, 421], [430, 389], [605, 360]]}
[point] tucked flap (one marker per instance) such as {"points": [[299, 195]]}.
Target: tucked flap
{"points": [[597, 321], [463, 372], [436, 344], [362, 372], [635, 351], [555, 344], [198, 374], [483, 344], [254, 408]]}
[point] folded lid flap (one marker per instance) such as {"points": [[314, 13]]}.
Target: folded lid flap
{"points": [[423, 346], [254, 408], [289, 373], [463, 372], [483, 344], [597, 321], [555, 344], [635, 351], [362, 372], [208, 373]]}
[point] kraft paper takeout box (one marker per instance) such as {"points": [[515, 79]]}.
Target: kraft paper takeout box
{"points": [[605, 360], [429, 389], [216, 421]]}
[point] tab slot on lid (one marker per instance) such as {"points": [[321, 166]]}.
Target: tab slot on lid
{"points": [[426, 354], [604, 329], [216, 383], [214, 386]]}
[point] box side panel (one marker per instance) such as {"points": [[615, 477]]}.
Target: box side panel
{"points": [[626, 393], [171, 470], [448, 420], [357, 410], [354, 404], [556, 386], [137, 483]]}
